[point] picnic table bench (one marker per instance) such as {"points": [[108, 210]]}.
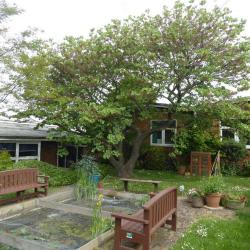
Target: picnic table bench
{"points": [[139, 227], [19, 180], [126, 181]]}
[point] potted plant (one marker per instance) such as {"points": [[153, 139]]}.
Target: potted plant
{"points": [[181, 169], [197, 198], [213, 187], [235, 200]]}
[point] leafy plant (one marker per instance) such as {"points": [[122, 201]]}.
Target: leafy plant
{"points": [[100, 223], [213, 184], [245, 170], [58, 176], [5, 161], [153, 158], [85, 187], [233, 151], [88, 166], [194, 192]]}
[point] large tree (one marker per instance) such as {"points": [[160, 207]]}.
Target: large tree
{"points": [[97, 90]]}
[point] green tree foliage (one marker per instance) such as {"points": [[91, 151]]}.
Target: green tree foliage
{"points": [[97, 89]]}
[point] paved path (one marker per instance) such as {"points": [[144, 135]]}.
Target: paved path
{"points": [[164, 238]]}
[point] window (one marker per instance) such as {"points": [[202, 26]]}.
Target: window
{"points": [[10, 147], [28, 150], [22, 150], [164, 136], [228, 133]]}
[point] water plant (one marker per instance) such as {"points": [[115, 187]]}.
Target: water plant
{"points": [[85, 188], [100, 223]]}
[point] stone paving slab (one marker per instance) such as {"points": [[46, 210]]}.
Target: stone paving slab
{"points": [[164, 238]]}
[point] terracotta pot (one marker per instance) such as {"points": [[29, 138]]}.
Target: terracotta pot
{"points": [[197, 202], [182, 170], [100, 185], [213, 200]]}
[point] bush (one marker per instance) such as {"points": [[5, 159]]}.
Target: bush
{"points": [[153, 158], [5, 161], [58, 176], [245, 170], [233, 151], [230, 169]]}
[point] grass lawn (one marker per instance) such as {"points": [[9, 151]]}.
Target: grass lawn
{"points": [[218, 234], [170, 179], [206, 233]]}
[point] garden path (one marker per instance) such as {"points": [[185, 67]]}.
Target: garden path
{"points": [[163, 238]]}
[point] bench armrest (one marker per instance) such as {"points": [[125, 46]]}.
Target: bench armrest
{"points": [[129, 218], [46, 178]]}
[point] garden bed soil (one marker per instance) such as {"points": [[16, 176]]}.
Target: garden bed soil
{"points": [[50, 228]]}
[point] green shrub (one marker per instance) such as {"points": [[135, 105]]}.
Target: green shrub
{"points": [[106, 170], [230, 169], [233, 151], [245, 170], [58, 176], [5, 161], [153, 158]]}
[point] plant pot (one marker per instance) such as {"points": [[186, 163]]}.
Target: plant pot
{"points": [[95, 178], [189, 198], [100, 185], [235, 204], [197, 201], [213, 200], [182, 170]]}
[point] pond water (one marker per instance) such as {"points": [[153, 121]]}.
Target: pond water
{"points": [[51, 228], [110, 204]]}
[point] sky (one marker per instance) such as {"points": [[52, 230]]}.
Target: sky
{"points": [[60, 18]]}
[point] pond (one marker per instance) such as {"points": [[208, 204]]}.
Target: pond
{"points": [[110, 204]]}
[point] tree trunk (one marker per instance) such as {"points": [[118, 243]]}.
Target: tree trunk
{"points": [[125, 169]]}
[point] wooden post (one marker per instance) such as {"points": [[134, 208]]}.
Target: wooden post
{"points": [[155, 187], [117, 234], [126, 185]]}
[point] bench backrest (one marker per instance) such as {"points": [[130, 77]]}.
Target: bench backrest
{"points": [[18, 177], [159, 207]]}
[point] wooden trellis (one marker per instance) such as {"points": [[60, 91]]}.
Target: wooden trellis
{"points": [[200, 163]]}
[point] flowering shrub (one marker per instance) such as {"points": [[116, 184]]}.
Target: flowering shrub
{"points": [[193, 192]]}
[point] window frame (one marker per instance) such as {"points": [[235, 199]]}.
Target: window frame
{"points": [[236, 136], [17, 157], [163, 144]]}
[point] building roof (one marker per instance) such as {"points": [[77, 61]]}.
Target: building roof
{"points": [[17, 130]]}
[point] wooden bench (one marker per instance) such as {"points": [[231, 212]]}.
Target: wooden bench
{"points": [[138, 228], [126, 181], [19, 180]]}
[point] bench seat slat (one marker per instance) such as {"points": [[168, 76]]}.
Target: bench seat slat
{"points": [[21, 188]]}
